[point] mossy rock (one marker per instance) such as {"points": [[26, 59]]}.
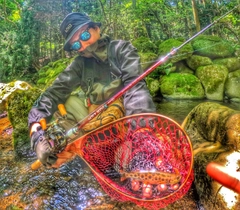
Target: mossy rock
{"points": [[144, 44], [153, 86], [181, 67], [213, 79], [48, 74], [196, 61], [231, 63], [18, 107], [147, 59], [6, 90], [181, 86], [232, 86], [212, 46], [166, 47]]}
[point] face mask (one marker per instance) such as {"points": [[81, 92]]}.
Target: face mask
{"points": [[92, 51], [93, 47], [88, 51]]}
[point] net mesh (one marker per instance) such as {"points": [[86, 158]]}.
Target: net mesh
{"points": [[146, 159]]}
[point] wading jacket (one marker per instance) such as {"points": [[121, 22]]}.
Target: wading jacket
{"points": [[112, 65]]}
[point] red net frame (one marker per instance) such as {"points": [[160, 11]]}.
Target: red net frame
{"points": [[146, 159]]}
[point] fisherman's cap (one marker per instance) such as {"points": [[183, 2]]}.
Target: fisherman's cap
{"points": [[70, 25]]}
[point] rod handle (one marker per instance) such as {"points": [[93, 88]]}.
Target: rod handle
{"points": [[36, 165], [43, 123], [62, 110]]}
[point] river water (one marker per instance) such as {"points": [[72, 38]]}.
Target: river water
{"points": [[72, 186], [179, 109]]}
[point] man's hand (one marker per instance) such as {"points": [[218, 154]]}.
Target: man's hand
{"points": [[66, 155], [42, 147]]}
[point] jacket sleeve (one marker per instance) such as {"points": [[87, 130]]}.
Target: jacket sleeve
{"points": [[137, 99], [65, 83]]}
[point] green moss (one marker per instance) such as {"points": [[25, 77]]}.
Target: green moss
{"points": [[147, 59], [144, 44], [13, 207], [41, 81], [232, 63], [19, 104], [212, 76], [212, 46], [166, 47], [153, 86], [11, 84], [42, 74], [195, 61], [48, 73], [182, 85]]}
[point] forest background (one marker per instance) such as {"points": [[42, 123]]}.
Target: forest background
{"points": [[30, 36]]}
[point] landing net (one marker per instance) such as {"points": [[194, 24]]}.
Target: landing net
{"points": [[146, 159]]}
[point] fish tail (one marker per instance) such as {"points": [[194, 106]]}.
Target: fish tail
{"points": [[178, 174], [176, 171], [123, 177]]}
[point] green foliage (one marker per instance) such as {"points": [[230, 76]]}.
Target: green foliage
{"points": [[30, 29], [10, 11], [18, 48]]}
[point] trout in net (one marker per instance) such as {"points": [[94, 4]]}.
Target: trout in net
{"points": [[145, 158], [152, 177]]}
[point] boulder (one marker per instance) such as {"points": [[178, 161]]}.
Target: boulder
{"points": [[147, 59], [181, 67], [153, 86], [212, 46], [213, 79], [231, 63], [166, 47], [7, 89], [214, 131], [232, 86], [181, 86], [18, 106], [196, 61], [144, 44]]}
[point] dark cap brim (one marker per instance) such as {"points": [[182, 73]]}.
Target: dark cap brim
{"points": [[67, 45]]}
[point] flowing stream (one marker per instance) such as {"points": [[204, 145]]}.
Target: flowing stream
{"points": [[72, 186]]}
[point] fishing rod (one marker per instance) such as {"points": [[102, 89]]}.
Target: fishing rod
{"points": [[73, 132], [63, 139]]}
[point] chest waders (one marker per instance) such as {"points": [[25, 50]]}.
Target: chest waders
{"points": [[99, 84]]}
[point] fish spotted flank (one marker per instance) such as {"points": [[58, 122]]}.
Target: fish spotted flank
{"points": [[152, 177]]}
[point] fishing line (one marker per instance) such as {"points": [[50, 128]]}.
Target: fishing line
{"points": [[215, 198]]}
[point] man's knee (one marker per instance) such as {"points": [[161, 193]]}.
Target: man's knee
{"points": [[76, 108]]}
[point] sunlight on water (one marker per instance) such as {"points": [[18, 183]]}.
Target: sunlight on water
{"points": [[230, 196]]}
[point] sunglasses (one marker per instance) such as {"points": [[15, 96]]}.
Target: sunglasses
{"points": [[84, 36]]}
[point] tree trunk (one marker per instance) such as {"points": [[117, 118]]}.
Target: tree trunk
{"points": [[134, 4], [195, 15]]}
